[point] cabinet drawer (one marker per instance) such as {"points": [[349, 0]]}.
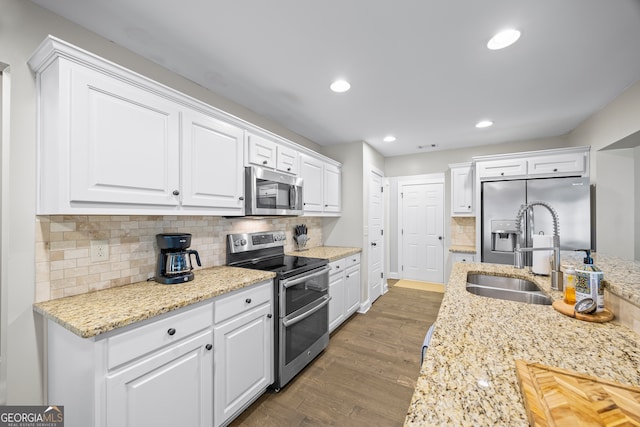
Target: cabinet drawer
{"points": [[352, 260], [137, 342], [237, 303], [337, 266], [557, 164], [502, 168], [462, 257]]}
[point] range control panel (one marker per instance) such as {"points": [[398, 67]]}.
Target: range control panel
{"points": [[244, 242]]}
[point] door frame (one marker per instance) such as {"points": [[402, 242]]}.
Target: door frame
{"points": [[435, 178], [5, 99]]}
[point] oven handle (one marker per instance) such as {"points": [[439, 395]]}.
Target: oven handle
{"points": [[289, 283], [288, 322]]}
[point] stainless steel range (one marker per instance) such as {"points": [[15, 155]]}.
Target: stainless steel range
{"points": [[302, 294]]}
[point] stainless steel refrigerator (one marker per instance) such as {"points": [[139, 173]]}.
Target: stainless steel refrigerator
{"points": [[501, 200]]}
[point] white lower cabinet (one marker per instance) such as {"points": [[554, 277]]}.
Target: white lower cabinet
{"points": [[243, 341], [170, 388], [344, 289], [198, 366]]}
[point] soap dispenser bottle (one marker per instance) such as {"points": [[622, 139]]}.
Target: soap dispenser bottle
{"points": [[589, 282]]}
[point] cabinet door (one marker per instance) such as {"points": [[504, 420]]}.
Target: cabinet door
{"points": [[287, 159], [174, 387], [212, 171], [461, 191], [557, 164], [462, 257], [336, 304], [352, 290], [243, 361], [332, 188], [502, 168], [261, 151], [311, 171], [124, 142]]}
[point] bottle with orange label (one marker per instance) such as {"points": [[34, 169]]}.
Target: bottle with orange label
{"points": [[570, 285]]}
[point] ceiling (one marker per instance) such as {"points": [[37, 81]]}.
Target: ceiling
{"points": [[419, 69]]}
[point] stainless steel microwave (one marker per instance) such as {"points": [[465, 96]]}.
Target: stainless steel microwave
{"points": [[271, 193]]}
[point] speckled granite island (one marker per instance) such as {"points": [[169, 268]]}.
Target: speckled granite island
{"points": [[468, 376], [94, 313]]}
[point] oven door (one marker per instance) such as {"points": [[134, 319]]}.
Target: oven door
{"points": [[301, 290], [303, 336]]}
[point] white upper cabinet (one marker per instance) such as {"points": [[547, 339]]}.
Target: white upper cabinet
{"points": [[462, 189], [508, 168], [322, 186], [287, 160], [211, 158], [261, 151], [534, 164], [123, 141], [570, 163], [110, 142], [270, 154]]}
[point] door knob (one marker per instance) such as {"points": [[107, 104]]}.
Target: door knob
{"points": [[374, 244], [208, 346], [439, 237]]}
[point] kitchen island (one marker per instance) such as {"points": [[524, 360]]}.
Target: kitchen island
{"points": [[468, 375]]}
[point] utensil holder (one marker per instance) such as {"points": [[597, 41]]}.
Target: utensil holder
{"points": [[301, 242]]}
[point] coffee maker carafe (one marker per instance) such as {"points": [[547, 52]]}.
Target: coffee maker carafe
{"points": [[174, 261]]}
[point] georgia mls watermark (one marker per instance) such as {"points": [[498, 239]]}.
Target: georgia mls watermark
{"points": [[31, 416]]}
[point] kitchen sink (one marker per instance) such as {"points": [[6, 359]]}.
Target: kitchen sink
{"points": [[506, 288], [510, 283]]}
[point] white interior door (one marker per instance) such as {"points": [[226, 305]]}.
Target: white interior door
{"points": [[375, 248], [423, 232]]}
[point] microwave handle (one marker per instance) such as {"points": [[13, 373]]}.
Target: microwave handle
{"points": [[293, 196]]}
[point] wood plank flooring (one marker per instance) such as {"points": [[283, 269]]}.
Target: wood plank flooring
{"points": [[365, 377]]}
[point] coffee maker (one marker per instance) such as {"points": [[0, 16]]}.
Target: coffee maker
{"points": [[174, 261]]}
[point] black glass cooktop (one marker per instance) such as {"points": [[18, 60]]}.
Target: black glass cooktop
{"points": [[286, 265]]}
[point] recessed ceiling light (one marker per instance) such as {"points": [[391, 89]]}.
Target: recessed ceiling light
{"points": [[503, 39], [484, 124], [340, 86], [389, 138]]}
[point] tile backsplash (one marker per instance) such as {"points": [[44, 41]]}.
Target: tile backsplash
{"points": [[463, 231], [63, 247]]}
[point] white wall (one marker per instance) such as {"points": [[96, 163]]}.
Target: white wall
{"points": [[23, 25]]}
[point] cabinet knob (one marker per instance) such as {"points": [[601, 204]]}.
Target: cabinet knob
{"points": [[269, 316], [469, 207], [439, 237], [288, 169], [241, 198], [176, 193], [326, 206], [555, 170], [264, 162], [208, 346], [171, 331], [248, 300], [502, 173], [337, 266]]}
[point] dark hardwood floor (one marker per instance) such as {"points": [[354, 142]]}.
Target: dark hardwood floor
{"points": [[365, 377]]}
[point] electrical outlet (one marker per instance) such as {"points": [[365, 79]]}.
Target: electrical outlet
{"points": [[99, 250]]}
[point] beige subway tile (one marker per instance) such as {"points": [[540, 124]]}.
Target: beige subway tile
{"points": [[43, 292], [75, 272], [58, 293], [76, 253], [63, 265], [56, 237], [98, 286], [76, 290], [110, 275], [75, 235], [63, 283], [99, 268], [62, 227], [56, 255], [56, 275]]}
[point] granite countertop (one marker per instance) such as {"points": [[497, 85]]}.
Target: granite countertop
{"points": [[94, 313], [468, 376], [465, 249], [331, 253]]}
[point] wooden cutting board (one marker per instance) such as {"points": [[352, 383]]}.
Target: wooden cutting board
{"points": [[557, 397], [569, 310]]}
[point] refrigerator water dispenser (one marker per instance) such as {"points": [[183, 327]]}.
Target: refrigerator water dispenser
{"points": [[503, 235]]}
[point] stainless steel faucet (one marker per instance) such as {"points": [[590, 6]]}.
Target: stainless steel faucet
{"points": [[556, 273]]}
